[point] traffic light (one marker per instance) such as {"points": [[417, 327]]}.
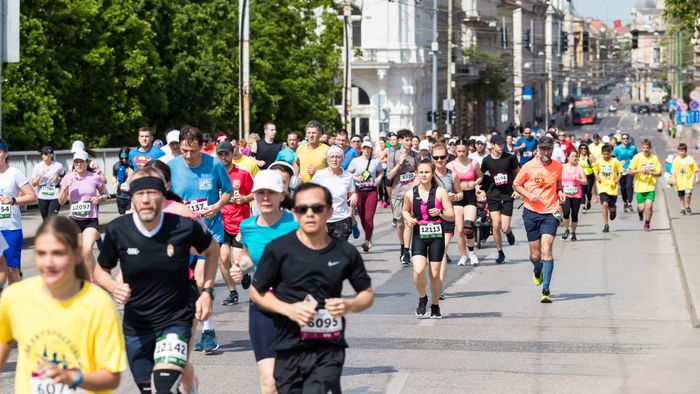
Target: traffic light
{"points": [[564, 42], [585, 41], [451, 116], [635, 39], [527, 40], [444, 115], [430, 116]]}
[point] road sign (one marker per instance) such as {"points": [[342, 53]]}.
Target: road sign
{"points": [[672, 105], [527, 93], [694, 105], [695, 95], [690, 117], [448, 105], [684, 107]]}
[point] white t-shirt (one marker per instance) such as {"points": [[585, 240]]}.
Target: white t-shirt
{"points": [[558, 155], [10, 182], [340, 186], [48, 188], [478, 157]]}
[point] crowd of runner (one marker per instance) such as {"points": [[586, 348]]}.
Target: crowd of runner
{"points": [[275, 218]]}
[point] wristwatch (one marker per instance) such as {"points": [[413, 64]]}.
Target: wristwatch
{"points": [[14, 201], [209, 290]]}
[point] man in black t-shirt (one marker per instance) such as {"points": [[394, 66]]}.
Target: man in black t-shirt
{"points": [[499, 173], [306, 270], [268, 147], [160, 300]]}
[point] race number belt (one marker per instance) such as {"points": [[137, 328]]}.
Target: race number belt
{"points": [[47, 386], [48, 190], [527, 154], [171, 349], [500, 179], [570, 189], [365, 185], [406, 178], [430, 230], [322, 327], [81, 209], [5, 211], [197, 205]]}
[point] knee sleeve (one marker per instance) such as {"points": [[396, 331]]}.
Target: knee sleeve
{"points": [[144, 388], [469, 229], [166, 381]]}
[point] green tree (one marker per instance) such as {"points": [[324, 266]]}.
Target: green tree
{"points": [[683, 15]]}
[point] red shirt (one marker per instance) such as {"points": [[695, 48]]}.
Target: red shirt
{"points": [[234, 214], [567, 147]]}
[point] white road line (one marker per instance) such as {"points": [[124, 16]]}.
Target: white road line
{"points": [[398, 380]]}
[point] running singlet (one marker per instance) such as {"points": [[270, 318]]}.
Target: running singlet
{"points": [[644, 183], [528, 152], [80, 192], [570, 181], [11, 181], [541, 181], [48, 188], [367, 170], [308, 156], [427, 226], [586, 165], [607, 172], [256, 237], [683, 170], [468, 175], [82, 332]]}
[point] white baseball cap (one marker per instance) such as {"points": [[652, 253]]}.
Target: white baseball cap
{"points": [[77, 146], [481, 139], [424, 145], [367, 144], [428, 133], [173, 136], [606, 139], [446, 135], [80, 155], [268, 179]]}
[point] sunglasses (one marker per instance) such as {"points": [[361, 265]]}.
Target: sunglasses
{"points": [[316, 208], [443, 157]]}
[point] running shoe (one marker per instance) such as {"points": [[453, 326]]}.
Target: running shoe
{"points": [[545, 298], [683, 212], [647, 227], [588, 205], [473, 259], [366, 246], [613, 213], [209, 342], [393, 222], [422, 311], [688, 211], [442, 295], [355, 230], [584, 210], [449, 260], [566, 234], [245, 282], [405, 258], [511, 238], [232, 298], [537, 278], [573, 236], [435, 312], [199, 346], [462, 260], [641, 215], [606, 229], [501, 257]]}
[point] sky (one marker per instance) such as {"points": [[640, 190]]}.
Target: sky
{"points": [[605, 10]]}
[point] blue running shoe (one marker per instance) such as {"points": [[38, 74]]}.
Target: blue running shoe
{"points": [[209, 342]]}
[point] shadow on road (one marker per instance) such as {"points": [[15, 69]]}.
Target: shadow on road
{"points": [[240, 345], [465, 315], [462, 294], [578, 296], [349, 371]]}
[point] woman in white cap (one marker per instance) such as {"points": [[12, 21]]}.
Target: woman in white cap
{"points": [[342, 186], [256, 232], [367, 173], [15, 190], [46, 177], [92, 166], [85, 190]]}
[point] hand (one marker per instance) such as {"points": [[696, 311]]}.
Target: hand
{"points": [[300, 312], [236, 272], [534, 198], [260, 163], [49, 370], [434, 212], [402, 157], [210, 211], [338, 306], [95, 200], [5, 199], [203, 306], [311, 170], [515, 195], [121, 293], [42, 173], [353, 200], [562, 197], [410, 222], [239, 200]]}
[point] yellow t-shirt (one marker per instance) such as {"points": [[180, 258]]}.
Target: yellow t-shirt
{"points": [[308, 156], [596, 150], [645, 182], [247, 164], [683, 170], [83, 332], [607, 172]]}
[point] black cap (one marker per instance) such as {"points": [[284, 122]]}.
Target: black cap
{"points": [[224, 146], [46, 149], [206, 137], [497, 139], [595, 135], [546, 142]]}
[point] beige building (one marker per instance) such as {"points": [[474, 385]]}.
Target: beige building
{"points": [[649, 74]]}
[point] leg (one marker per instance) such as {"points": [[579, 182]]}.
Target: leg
{"points": [[266, 369], [566, 214], [469, 234], [54, 207], [575, 206], [435, 281], [648, 210], [496, 227], [443, 266], [225, 267], [419, 263], [459, 232], [90, 236], [3, 272], [43, 207], [605, 213], [547, 260], [688, 196], [367, 217]]}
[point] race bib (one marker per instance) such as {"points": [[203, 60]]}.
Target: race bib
{"points": [[80, 209], [365, 185], [430, 230], [48, 190], [606, 170], [234, 195], [406, 178], [500, 179], [171, 349], [527, 154], [47, 386], [5, 211], [197, 205], [322, 327], [570, 190], [649, 167]]}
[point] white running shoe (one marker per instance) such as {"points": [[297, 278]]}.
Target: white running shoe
{"points": [[462, 260], [473, 259]]}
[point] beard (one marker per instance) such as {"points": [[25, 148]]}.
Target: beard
{"points": [[545, 159], [148, 216]]}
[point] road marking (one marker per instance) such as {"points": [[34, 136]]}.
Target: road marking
{"points": [[398, 380]]}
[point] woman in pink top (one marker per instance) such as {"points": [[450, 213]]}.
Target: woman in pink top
{"points": [[572, 179]]}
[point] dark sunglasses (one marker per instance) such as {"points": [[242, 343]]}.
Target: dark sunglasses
{"points": [[316, 208], [443, 157]]}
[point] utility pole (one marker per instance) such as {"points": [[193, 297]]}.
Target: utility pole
{"points": [[347, 80], [434, 55], [450, 106], [244, 69]]}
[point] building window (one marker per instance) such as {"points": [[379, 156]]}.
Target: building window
{"points": [[356, 27], [360, 97]]}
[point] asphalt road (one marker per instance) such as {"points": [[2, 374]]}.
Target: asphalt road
{"points": [[618, 304]]}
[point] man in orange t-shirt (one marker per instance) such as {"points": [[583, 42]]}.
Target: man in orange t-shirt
{"points": [[539, 182]]}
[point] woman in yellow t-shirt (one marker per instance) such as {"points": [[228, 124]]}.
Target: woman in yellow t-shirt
{"points": [[67, 330]]}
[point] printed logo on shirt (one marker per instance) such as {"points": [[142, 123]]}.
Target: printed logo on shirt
{"points": [[170, 250], [140, 161], [205, 183], [132, 251], [333, 263]]}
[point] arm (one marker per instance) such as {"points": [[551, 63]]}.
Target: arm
{"points": [[341, 306], [457, 193], [103, 196], [203, 306], [299, 312], [447, 212], [93, 381], [27, 195], [406, 212], [5, 349]]}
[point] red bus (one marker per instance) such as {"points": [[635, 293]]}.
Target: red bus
{"points": [[584, 112]]}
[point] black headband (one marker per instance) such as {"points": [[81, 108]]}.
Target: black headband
{"points": [[149, 182]]}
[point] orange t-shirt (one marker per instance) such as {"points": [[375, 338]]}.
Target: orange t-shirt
{"points": [[542, 181]]}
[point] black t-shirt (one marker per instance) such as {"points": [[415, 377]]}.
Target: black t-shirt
{"points": [[293, 270], [499, 175], [268, 152], [156, 268]]}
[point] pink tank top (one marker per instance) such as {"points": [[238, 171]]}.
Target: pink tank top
{"points": [[468, 175], [424, 210]]}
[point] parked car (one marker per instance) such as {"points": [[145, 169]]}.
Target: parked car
{"points": [[644, 109], [658, 108], [634, 108]]}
